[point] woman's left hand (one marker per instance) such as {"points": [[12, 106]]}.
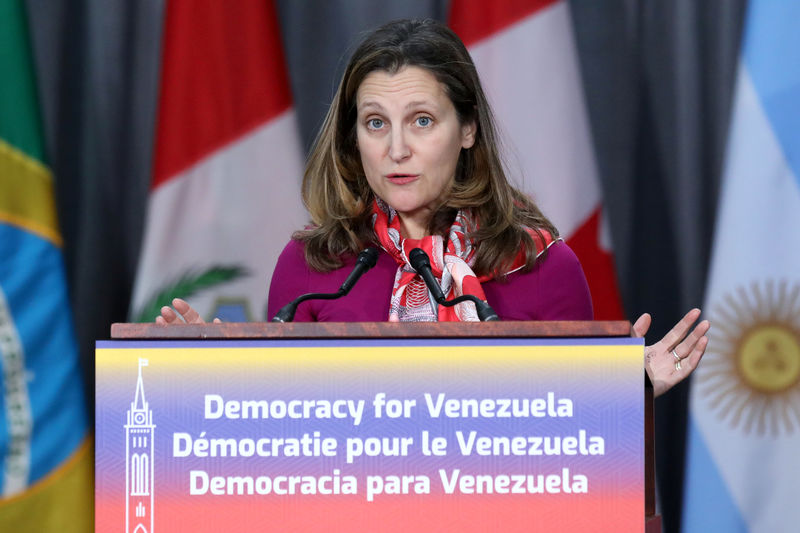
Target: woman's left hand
{"points": [[674, 357]]}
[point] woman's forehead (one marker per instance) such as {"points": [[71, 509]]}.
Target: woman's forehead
{"points": [[407, 87]]}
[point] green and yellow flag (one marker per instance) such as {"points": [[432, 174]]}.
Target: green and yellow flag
{"points": [[45, 449]]}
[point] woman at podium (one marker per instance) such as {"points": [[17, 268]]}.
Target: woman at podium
{"points": [[408, 158]]}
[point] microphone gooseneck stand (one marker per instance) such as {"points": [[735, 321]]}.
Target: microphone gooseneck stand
{"points": [[366, 259], [422, 264]]}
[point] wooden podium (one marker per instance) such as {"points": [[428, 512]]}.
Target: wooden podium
{"points": [[387, 330]]}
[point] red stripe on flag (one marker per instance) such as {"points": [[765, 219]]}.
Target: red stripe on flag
{"points": [[223, 74], [598, 265], [473, 20]]}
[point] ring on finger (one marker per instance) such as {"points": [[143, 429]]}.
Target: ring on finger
{"points": [[678, 365], [676, 356]]}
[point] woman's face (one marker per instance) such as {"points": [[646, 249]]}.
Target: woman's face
{"points": [[409, 137]]}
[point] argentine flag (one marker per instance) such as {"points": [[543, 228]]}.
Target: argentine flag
{"points": [[744, 435]]}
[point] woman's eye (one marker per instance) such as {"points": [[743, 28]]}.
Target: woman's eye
{"points": [[375, 123], [424, 121]]}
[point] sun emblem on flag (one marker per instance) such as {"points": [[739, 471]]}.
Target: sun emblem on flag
{"points": [[751, 371]]}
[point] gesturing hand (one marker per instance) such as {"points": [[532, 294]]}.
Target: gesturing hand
{"points": [[673, 358], [185, 313]]}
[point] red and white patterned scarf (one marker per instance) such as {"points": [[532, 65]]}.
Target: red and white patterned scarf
{"points": [[451, 262]]}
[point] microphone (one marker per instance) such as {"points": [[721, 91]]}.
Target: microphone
{"points": [[366, 259], [422, 264]]}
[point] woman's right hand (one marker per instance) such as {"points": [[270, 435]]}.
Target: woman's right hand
{"points": [[185, 314]]}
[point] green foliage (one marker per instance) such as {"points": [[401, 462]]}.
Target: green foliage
{"points": [[186, 286]]}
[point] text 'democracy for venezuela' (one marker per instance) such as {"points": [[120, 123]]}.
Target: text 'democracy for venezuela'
{"points": [[374, 435]]}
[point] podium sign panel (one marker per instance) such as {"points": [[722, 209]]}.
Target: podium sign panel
{"points": [[370, 435]]}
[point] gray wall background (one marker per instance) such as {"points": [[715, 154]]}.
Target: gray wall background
{"points": [[658, 76]]}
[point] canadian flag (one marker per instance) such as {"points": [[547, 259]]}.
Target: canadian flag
{"points": [[225, 194], [525, 54]]}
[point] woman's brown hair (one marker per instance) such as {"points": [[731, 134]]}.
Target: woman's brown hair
{"points": [[335, 189]]}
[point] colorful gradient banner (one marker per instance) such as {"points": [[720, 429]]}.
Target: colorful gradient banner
{"points": [[434, 435]]}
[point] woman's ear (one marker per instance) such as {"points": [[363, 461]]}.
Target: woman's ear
{"points": [[468, 132]]}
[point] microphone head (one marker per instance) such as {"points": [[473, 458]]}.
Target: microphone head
{"points": [[368, 256], [418, 259]]}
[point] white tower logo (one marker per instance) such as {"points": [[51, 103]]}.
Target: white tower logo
{"points": [[139, 463]]}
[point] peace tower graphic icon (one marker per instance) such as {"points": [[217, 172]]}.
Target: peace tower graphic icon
{"points": [[139, 432]]}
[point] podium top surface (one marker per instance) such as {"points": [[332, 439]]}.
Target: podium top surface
{"points": [[361, 330]]}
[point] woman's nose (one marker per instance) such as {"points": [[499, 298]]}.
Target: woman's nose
{"points": [[398, 147]]}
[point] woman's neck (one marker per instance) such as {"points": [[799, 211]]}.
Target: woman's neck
{"points": [[414, 227]]}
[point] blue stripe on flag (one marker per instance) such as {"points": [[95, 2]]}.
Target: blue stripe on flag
{"points": [[772, 56], [32, 278], [707, 505]]}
